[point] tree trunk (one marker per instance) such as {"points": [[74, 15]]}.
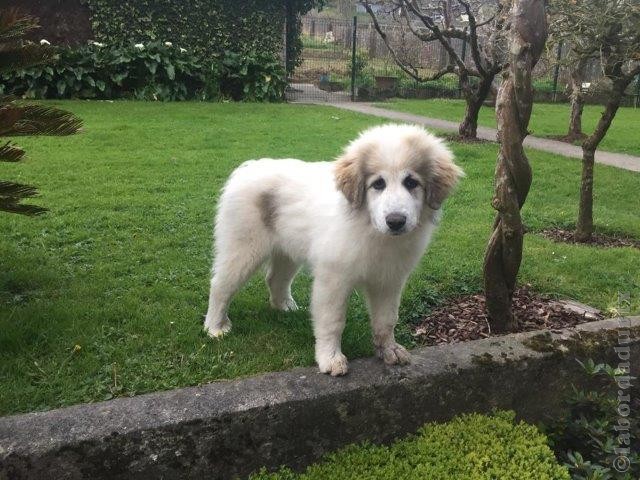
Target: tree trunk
{"points": [[577, 103], [468, 129], [584, 227], [575, 119], [502, 260]]}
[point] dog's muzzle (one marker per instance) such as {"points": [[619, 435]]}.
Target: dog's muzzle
{"points": [[396, 222]]}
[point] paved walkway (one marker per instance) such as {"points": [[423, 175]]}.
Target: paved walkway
{"points": [[620, 160], [309, 93]]}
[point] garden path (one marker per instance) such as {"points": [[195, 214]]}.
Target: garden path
{"points": [[619, 160]]}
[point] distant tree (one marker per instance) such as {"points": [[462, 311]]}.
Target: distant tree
{"points": [[480, 24], [576, 67], [18, 118], [610, 31], [527, 36], [576, 98]]}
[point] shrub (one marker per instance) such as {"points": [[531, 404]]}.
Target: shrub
{"points": [[154, 71], [251, 77], [469, 447], [586, 438]]}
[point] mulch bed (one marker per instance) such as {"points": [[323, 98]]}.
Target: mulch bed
{"points": [[465, 318], [569, 139], [454, 137], [597, 239]]}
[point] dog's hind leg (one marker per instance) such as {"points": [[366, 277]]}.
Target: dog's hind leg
{"points": [[233, 265], [280, 274]]}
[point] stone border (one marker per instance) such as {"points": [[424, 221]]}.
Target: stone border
{"points": [[228, 429]]}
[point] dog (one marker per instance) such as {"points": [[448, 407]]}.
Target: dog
{"points": [[362, 221]]}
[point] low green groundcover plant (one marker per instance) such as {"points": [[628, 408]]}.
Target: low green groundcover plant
{"points": [[152, 71], [469, 447]]}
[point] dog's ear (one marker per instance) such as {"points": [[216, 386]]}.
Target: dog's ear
{"points": [[350, 179], [443, 176]]}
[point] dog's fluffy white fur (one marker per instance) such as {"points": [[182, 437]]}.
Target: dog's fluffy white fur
{"points": [[362, 221]]}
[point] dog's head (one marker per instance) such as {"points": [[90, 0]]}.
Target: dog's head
{"points": [[398, 173]]}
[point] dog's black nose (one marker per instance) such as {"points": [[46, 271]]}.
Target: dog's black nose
{"points": [[396, 221]]}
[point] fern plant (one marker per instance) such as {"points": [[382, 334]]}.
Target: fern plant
{"points": [[18, 118]]}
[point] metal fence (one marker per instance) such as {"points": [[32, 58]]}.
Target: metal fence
{"points": [[346, 59]]}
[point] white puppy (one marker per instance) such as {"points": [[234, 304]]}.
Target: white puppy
{"points": [[362, 221]]}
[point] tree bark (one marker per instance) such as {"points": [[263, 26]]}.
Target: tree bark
{"points": [[468, 128], [527, 37], [577, 103], [584, 227]]}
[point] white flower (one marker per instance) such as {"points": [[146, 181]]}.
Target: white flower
{"points": [[168, 44], [139, 46], [45, 42], [98, 44], [183, 50]]}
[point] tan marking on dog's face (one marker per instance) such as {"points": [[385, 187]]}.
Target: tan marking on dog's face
{"points": [[433, 162], [268, 206], [350, 174]]}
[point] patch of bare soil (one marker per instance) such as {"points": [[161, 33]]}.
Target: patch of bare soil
{"points": [[597, 239], [465, 318], [454, 137], [573, 139]]}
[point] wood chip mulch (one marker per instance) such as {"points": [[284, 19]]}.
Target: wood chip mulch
{"points": [[598, 239], [454, 137], [465, 318], [572, 139]]}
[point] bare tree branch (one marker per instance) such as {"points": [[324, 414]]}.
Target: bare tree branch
{"points": [[430, 24], [473, 35], [408, 69], [420, 21]]}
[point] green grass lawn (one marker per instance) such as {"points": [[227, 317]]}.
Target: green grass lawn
{"points": [[547, 119], [105, 294]]}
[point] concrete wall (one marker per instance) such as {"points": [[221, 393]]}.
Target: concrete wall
{"points": [[228, 429]]}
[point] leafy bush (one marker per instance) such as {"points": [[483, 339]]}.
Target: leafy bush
{"points": [[251, 77], [155, 71], [586, 438], [469, 447]]}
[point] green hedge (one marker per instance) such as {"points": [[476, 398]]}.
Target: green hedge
{"points": [[152, 71], [469, 447], [205, 27]]}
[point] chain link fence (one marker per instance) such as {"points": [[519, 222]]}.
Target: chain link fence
{"points": [[346, 59]]}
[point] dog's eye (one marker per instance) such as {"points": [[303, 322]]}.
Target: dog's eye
{"points": [[379, 184], [410, 183]]}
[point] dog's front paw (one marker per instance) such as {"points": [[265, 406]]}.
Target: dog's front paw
{"points": [[393, 354], [335, 365], [217, 329], [286, 305]]}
